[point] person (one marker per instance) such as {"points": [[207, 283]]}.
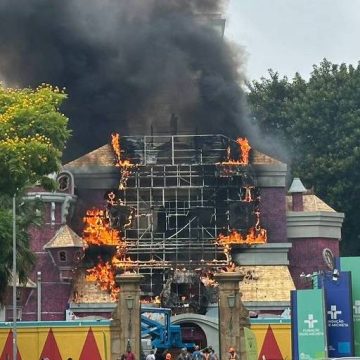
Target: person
{"points": [[184, 355], [206, 354], [129, 355], [151, 356], [197, 355], [213, 355], [232, 354], [168, 356], [163, 355]]}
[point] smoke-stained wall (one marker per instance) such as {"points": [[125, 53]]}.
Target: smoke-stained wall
{"points": [[127, 65]]}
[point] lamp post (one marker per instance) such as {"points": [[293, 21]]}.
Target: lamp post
{"points": [[14, 277], [130, 306], [231, 299], [38, 296]]}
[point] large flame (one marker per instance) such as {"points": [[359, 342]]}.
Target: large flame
{"points": [[104, 275], [244, 150], [97, 230], [253, 236]]}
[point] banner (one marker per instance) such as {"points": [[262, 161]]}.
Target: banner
{"points": [[308, 326], [352, 264], [250, 344], [338, 301]]}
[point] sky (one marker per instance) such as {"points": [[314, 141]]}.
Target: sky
{"points": [[291, 36]]}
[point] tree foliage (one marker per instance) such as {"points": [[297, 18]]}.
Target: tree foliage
{"points": [[33, 133], [319, 121], [26, 216]]}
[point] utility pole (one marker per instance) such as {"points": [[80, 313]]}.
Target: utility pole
{"points": [[14, 281]]}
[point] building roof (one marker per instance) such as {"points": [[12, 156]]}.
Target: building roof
{"points": [[311, 203], [104, 156], [258, 283], [258, 157], [29, 283], [65, 237]]}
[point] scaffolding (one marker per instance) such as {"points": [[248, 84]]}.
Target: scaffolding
{"points": [[184, 194]]}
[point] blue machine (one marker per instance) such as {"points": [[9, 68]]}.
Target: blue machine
{"points": [[163, 335]]}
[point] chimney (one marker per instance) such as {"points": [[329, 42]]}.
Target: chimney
{"points": [[297, 189]]}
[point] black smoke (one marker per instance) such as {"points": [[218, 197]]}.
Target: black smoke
{"points": [[127, 65]]}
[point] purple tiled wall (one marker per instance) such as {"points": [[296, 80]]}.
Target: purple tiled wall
{"points": [[55, 294], [273, 213], [306, 256], [297, 202]]}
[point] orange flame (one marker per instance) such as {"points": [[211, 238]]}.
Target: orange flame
{"points": [[97, 230], [252, 237], [245, 151], [123, 263], [115, 144], [123, 164], [104, 274]]}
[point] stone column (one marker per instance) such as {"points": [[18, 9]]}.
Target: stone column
{"points": [[233, 316], [125, 329]]}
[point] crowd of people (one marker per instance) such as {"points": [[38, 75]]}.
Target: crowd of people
{"points": [[207, 353]]}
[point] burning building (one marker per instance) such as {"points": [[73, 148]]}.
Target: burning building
{"points": [[176, 209], [172, 211]]}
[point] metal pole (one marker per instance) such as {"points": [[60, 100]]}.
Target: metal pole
{"points": [[38, 296], [14, 280]]}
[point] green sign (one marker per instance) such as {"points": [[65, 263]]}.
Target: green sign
{"points": [[353, 264], [309, 324], [250, 344]]}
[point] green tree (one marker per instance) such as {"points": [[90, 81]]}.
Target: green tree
{"points": [[33, 133], [24, 257], [319, 121]]}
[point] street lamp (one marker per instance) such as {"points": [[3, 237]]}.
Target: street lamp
{"points": [[231, 299], [14, 277], [130, 302], [130, 306]]}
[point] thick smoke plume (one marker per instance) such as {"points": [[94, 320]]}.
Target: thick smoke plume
{"points": [[128, 65]]}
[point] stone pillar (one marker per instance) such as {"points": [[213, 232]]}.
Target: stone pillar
{"points": [[233, 316], [125, 328]]}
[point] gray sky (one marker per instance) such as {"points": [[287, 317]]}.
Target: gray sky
{"points": [[292, 35]]}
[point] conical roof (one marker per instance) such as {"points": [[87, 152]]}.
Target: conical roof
{"points": [[297, 187], [65, 237]]}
